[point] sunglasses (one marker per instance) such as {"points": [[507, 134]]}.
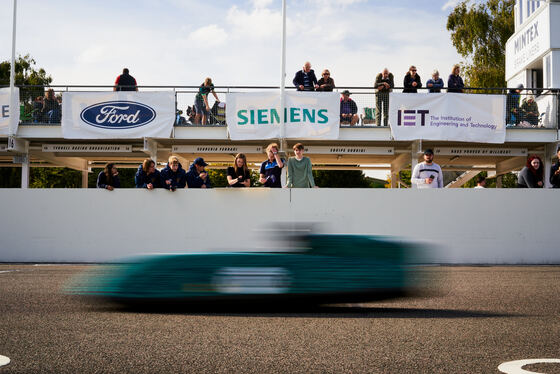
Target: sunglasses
{"points": [[326, 74]]}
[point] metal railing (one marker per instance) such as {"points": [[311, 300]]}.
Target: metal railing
{"points": [[525, 108]]}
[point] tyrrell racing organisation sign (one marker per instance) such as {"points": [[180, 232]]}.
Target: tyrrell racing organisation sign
{"points": [[307, 115], [117, 115], [447, 116]]}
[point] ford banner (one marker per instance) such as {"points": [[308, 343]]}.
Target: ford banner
{"points": [[117, 115], [307, 115], [448, 116]]}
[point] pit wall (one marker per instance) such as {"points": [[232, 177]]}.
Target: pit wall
{"points": [[463, 226]]}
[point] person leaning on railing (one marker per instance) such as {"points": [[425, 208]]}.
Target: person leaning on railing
{"points": [[197, 176], [326, 83], [531, 176], [384, 84], [555, 171], [305, 79], [148, 176], [300, 173], [412, 81], [108, 178], [455, 82], [239, 175], [173, 175], [435, 84], [513, 115], [51, 108], [201, 105]]}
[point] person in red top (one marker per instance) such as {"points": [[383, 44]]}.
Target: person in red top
{"points": [[125, 82]]}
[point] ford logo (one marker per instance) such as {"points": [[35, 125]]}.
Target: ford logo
{"points": [[118, 115]]}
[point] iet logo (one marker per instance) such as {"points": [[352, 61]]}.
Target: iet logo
{"points": [[410, 117]]}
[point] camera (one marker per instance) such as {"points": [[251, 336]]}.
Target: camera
{"points": [[432, 176]]}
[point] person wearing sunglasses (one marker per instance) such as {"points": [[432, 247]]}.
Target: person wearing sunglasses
{"points": [[326, 83], [412, 81]]}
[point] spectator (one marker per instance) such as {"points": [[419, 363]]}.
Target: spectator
{"points": [[305, 79], [197, 177], [384, 83], [412, 81], [513, 115], [51, 108], [531, 176], [37, 109], [125, 82], [427, 174], [108, 178], [271, 169], [326, 83], [239, 175], [455, 82], [348, 109], [148, 176], [480, 182], [299, 170], [201, 106], [530, 110], [435, 83], [555, 172], [173, 175]]}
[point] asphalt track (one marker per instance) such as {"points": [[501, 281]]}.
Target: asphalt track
{"points": [[471, 321]]}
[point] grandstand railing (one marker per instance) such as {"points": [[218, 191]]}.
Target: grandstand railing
{"points": [[516, 115]]}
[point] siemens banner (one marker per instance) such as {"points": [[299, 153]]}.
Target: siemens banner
{"points": [[447, 116], [307, 115], [6, 114], [117, 115]]}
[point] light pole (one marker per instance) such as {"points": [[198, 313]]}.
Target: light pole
{"points": [[13, 100]]}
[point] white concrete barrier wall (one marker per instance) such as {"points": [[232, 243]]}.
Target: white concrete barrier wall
{"points": [[459, 226]]}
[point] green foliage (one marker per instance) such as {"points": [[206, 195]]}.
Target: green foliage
{"points": [[126, 176], [25, 74], [218, 178], [509, 180], [10, 177], [479, 32], [342, 179], [55, 178]]}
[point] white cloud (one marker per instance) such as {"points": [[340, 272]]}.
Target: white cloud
{"points": [[207, 37], [450, 4]]}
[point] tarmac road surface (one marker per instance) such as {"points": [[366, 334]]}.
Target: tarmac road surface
{"points": [[479, 318]]}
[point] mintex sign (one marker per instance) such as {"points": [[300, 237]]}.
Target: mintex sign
{"points": [[306, 115]]}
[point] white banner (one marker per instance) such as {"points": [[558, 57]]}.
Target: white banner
{"points": [[443, 116], [117, 115], [6, 119], [308, 115]]}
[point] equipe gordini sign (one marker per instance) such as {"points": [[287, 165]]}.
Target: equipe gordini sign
{"points": [[307, 115], [117, 115]]}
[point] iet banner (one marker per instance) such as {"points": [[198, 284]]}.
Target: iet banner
{"points": [[447, 116], [117, 115], [257, 115], [6, 114]]}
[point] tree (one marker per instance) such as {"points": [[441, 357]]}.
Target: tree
{"points": [[26, 74], [342, 179], [479, 33]]}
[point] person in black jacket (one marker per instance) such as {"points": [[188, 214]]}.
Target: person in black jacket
{"points": [[197, 177], [125, 82], [305, 79], [173, 175], [412, 80], [147, 175], [531, 176], [108, 178], [455, 82], [555, 172], [384, 83]]}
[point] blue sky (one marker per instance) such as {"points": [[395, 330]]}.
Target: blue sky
{"points": [[180, 42]]}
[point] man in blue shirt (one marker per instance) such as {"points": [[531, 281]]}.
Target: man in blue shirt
{"points": [[348, 109]]}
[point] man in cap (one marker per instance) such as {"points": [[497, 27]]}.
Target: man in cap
{"points": [[348, 109], [197, 177], [427, 174]]}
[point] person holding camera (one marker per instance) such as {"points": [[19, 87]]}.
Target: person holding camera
{"points": [[427, 174], [239, 175], [173, 175], [197, 177], [271, 169]]}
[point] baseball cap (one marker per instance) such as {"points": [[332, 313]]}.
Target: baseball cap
{"points": [[200, 161], [429, 151], [346, 92]]}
